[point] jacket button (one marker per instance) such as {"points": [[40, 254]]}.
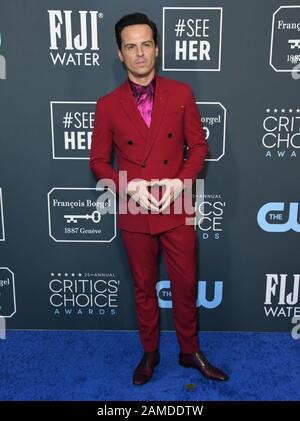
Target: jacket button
{"points": [[165, 161], [130, 142], [143, 165], [170, 135]]}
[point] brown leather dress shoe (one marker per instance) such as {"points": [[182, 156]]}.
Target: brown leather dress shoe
{"points": [[199, 361], [143, 372]]}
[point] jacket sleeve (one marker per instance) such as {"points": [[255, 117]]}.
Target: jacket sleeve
{"points": [[195, 139], [101, 149]]}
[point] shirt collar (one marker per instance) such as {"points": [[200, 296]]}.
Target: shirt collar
{"points": [[138, 89]]}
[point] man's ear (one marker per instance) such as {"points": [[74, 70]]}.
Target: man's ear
{"points": [[120, 55], [156, 51]]}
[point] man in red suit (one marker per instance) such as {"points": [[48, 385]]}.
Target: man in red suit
{"points": [[147, 120]]}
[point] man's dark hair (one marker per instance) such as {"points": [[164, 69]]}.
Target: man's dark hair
{"points": [[134, 19]]}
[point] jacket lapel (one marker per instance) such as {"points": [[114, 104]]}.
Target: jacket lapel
{"points": [[158, 112], [159, 107], [129, 105]]}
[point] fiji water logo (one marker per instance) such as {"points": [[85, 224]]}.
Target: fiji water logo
{"points": [[74, 37]]}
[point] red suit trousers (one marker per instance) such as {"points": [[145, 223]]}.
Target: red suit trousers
{"points": [[179, 250]]}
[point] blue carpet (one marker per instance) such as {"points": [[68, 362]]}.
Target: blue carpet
{"points": [[80, 365]]}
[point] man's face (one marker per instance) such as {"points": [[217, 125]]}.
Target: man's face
{"points": [[138, 51]]}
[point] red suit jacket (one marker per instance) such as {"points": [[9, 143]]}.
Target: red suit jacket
{"points": [[149, 153]]}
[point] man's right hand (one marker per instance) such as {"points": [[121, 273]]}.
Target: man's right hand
{"points": [[138, 190]]}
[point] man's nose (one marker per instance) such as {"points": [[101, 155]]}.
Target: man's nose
{"points": [[140, 51]]}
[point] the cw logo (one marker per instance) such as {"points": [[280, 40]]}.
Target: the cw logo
{"points": [[165, 298], [270, 217]]}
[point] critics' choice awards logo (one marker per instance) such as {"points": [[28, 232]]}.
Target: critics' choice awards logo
{"points": [[285, 39], [279, 217], [204, 290], [88, 294], [210, 215], [192, 38], [82, 214], [282, 296], [281, 132], [7, 293], [2, 233], [74, 37], [72, 125]]}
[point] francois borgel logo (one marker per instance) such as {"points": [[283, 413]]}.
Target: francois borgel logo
{"points": [[285, 39], [82, 214], [7, 293]]}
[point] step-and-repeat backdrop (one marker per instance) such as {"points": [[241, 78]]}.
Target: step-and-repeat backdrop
{"points": [[62, 264]]}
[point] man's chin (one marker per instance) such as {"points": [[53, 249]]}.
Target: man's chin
{"points": [[142, 73], [143, 69]]}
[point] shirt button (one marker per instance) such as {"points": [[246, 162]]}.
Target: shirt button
{"points": [[170, 135], [165, 161], [143, 165], [130, 142]]}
